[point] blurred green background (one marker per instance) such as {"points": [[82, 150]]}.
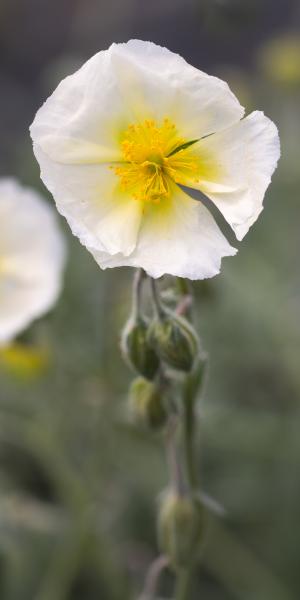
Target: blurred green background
{"points": [[79, 485]]}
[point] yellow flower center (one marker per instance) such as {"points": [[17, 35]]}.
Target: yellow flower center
{"points": [[154, 155]]}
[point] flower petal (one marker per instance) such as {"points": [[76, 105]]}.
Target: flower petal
{"points": [[160, 83], [236, 169], [179, 237], [81, 122], [32, 256], [89, 197]]}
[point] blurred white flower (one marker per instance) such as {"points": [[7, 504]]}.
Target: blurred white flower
{"points": [[32, 256], [118, 139]]}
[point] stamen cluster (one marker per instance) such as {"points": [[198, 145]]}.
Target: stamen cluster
{"points": [[153, 156]]}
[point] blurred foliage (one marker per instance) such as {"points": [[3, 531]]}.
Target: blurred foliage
{"points": [[281, 60], [79, 484]]}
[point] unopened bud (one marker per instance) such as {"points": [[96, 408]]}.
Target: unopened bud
{"points": [[136, 348], [180, 528], [146, 403], [174, 340]]}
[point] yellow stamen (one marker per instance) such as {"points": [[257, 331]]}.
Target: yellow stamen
{"points": [[151, 160]]}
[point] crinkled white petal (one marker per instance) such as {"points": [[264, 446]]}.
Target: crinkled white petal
{"points": [[246, 156], [186, 242], [82, 120], [32, 257], [160, 83], [90, 199]]}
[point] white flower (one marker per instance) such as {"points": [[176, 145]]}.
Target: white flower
{"points": [[32, 256], [118, 139]]}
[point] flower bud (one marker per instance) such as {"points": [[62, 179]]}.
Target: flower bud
{"points": [[174, 340], [136, 348], [180, 528], [146, 403]]}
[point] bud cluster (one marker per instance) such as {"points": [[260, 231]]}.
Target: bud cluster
{"points": [[150, 346], [167, 339], [164, 352]]}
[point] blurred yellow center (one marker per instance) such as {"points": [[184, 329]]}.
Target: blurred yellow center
{"points": [[23, 361], [154, 155]]}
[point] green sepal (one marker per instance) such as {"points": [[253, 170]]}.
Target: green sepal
{"points": [[174, 341], [181, 527], [146, 403], [136, 348]]}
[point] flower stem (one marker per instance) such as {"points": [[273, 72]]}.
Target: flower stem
{"points": [[184, 576], [186, 303], [183, 481], [176, 475], [189, 443], [183, 583], [156, 299], [139, 275], [154, 572]]}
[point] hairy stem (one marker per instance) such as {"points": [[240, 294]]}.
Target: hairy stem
{"points": [[183, 583], [189, 443], [174, 463], [156, 298], [184, 576], [186, 303], [139, 276], [154, 572]]}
